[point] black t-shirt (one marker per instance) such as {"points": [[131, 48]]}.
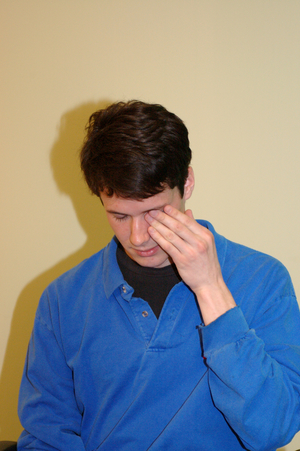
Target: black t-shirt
{"points": [[151, 284]]}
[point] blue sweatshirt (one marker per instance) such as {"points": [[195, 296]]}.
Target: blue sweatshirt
{"points": [[102, 373]]}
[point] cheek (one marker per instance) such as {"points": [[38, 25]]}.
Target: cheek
{"points": [[121, 231]]}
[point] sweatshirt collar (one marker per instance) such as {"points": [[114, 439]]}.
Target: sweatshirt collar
{"points": [[112, 275]]}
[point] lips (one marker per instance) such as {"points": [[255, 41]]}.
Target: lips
{"points": [[148, 252]]}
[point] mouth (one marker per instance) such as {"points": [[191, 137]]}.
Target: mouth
{"points": [[147, 252]]}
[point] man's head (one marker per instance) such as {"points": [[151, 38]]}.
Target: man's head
{"points": [[136, 159], [135, 150]]}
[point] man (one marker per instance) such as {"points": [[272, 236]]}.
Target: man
{"points": [[170, 338]]}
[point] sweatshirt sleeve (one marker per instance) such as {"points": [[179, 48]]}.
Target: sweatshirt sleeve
{"points": [[47, 405], [254, 376]]}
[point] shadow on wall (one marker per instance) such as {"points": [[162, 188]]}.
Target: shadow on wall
{"points": [[67, 175]]}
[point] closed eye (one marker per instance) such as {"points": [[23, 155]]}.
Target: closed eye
{"points": [[120, 217]]}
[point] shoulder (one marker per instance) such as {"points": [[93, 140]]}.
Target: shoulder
{"points": [[74, 289], [72, 297], [233, 256], [258, 269], [247, 270], [78, 276]]}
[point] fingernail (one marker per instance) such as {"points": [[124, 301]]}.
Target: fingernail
{"points": [[153, 213], [148, 217]]}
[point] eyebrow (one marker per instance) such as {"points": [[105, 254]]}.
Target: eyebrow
{"points": [[143, 212]]}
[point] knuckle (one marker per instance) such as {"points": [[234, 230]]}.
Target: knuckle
{"points": [[192, 255], [207, 241], [202, 247], [169, 235], [209, 236], [178, 227]]}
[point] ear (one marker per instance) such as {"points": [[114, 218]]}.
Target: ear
{"points": [[189, 184]]}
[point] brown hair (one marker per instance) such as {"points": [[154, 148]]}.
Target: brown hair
{"points": [[135, 150]]}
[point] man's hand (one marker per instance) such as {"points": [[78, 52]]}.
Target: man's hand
{"points": [[192, 249]]}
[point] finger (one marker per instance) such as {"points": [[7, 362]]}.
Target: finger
{"points": [[172, 218], [169, 227], [173, 236], [187, 218], [166, 245], [178, 215], [189, 213]]}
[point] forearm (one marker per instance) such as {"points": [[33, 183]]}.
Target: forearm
{"points": [[250, 385]]}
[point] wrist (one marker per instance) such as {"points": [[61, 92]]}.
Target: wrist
{"points": [[214, 301]]}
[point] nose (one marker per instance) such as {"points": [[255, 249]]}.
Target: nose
{"points": [[139, 232]]}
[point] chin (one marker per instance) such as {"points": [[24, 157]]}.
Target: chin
{"points": [[153, 262]]}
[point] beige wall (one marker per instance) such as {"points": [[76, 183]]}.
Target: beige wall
{"points": [[230, 69]]}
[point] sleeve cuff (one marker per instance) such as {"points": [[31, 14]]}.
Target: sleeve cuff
{"points": [[228, 328]]}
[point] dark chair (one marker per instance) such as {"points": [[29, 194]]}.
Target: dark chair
{"points": [[8, 446]]}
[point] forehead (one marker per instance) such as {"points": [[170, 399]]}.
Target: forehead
{"points": [[116, 204]]}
